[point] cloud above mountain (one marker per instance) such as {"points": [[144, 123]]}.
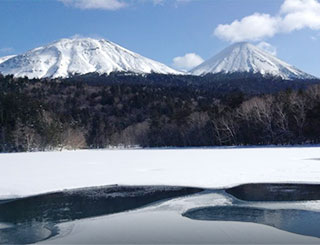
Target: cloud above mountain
{"points": [[293, 15], [6, 50], [267, 47], [95, 4], [111, 4], [187, 62]]}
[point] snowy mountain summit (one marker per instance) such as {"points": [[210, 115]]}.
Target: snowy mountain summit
{"points": [[245, 57], [79, 56]]}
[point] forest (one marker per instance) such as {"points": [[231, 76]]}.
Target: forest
{"points": [[128, 110]]}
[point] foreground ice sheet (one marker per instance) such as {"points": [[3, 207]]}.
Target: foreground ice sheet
{"points": [[163, 224], [171, 228], [157, 215], [23, 174]]}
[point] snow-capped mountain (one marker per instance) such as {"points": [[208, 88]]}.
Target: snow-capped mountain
{"points": [[245, 57], [80, 56], [5, 58]]}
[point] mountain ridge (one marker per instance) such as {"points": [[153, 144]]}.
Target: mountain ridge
{"points": [[246, 57], [67, 57], [79, 56], [5, 58]]}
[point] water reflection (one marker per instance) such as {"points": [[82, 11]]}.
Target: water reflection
{"points": [[276, 192], [27, 233], [35, 218], [297, 221]]}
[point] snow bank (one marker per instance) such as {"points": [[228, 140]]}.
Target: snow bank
{"points": [[23, 174]]}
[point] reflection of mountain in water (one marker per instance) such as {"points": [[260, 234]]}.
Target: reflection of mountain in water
{"points": [[296, 221], [276, 192], [34, 218]]}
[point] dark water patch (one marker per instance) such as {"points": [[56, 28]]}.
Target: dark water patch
{"points": [[276, 192], [7, 200], [296, 221], [27, 233], [34, 218]]}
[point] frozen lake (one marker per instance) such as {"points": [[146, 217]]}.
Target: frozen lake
{"points": [[25, 174], [141, 198], [162, 215]]}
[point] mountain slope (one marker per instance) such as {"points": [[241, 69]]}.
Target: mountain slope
{"points": [[245, 57], [5, 58], [80, 56]]}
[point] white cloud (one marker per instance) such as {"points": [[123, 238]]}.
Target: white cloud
{"points": [[290, 6], [299, 14], [113, 4], [187, 62], [253, 27], [293, 15], [95, 4], [315, 37], [158, 2], [267, 47], [6, 50]]}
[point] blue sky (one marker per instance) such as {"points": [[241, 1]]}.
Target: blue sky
{"points": [[167, 29]]}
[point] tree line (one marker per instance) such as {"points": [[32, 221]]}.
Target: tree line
{"points": [[100, 112]]}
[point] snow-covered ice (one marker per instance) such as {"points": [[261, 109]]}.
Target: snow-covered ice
{"points": [[24, 174]]}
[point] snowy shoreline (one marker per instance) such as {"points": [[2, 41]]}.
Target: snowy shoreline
{"points": [[137, 147], [25, 174]]}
